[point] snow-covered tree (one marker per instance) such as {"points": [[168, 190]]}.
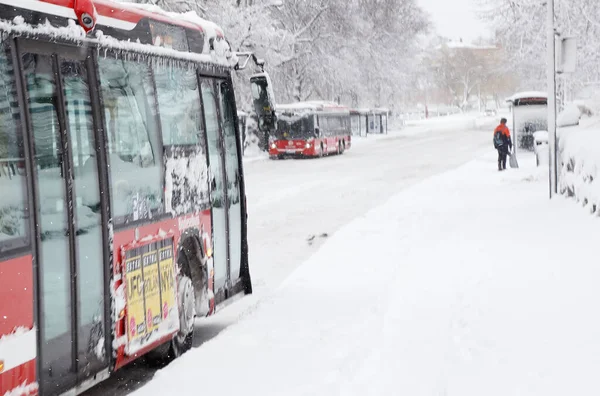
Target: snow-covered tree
{"points": [[520, 28], [468, 69], [359, 52]]}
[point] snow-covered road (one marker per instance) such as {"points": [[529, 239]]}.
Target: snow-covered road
{"points": [[470, 283], [292, 200]]}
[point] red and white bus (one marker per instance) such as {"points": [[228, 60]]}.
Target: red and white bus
{"points": [[310, 129], [122, 201]]}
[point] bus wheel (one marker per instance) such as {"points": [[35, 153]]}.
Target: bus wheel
{"points": [[182, 341]]}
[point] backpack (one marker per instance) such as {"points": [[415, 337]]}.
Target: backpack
{"points": [[498, 139]]}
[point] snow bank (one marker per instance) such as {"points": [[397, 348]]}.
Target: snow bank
{"points": [[579, 160], [252, 149], [253, 153], [490, 291], [467, 121], [570, 116]]}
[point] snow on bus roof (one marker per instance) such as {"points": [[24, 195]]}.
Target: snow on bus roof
{"points": [[314, 105], [210, 28], [366, 111], [381, 110], [527, 94], [222, 55]]}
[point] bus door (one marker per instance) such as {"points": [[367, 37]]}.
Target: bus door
{"points": [[217, 180], [223, 151], [70, 249], [327, 137], [233, 178]]}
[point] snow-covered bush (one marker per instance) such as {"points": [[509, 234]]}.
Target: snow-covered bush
{"points": [[252, 144], [579, 160], [570, 116]]}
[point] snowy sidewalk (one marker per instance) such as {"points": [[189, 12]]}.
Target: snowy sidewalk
{"points": [[471, 283]]}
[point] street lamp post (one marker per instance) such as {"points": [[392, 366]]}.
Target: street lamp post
{"points": [[551, 49]]}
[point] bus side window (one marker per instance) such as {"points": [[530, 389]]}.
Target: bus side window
{"points": [[183, 134], [134, 152], [14, 230], [338, 124], [323, 126], [179, 105], [330, 126], [211, 117]]}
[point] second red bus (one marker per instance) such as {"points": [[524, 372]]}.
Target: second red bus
{"points": [[310, 129]]}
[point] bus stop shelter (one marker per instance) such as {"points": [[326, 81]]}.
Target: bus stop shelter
{"points": [[529, 114], [377, 121], [358, 121], [369, 121]]}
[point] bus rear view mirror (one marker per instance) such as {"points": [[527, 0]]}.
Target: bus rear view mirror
{"points": [[264, 101], [86, 14]]}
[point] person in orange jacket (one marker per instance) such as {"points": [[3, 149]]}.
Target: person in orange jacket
{"points": [[502, 143]]}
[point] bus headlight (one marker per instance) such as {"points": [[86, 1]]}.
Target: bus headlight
{"points": [[273, 146], [307, 145]]}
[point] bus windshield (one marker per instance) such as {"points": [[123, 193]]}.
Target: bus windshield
{"points": [[295, 128]]}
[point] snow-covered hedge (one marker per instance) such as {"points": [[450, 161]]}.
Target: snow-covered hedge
{"points": [[579, 161]]}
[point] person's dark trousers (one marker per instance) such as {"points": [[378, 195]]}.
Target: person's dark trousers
{"points": [[502, 153]]}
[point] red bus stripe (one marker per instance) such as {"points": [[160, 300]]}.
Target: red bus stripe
{"points": [[16, 294], [127, 14], [19, 376]]}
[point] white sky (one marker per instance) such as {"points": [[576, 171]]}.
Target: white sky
{"points": [[455, 18]]}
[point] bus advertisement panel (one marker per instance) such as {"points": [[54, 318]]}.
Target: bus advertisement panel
{"points": [[151, 307]]}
